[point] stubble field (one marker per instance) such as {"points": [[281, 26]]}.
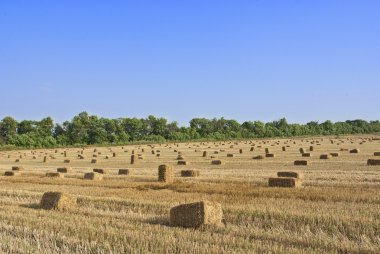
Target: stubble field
{"points": [[337, 210]]}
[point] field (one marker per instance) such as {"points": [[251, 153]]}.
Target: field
{"points": [[337, 210]]}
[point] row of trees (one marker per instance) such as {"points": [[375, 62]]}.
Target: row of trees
{"points": [[90, 129]]}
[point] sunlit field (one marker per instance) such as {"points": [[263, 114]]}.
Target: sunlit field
{"points": [[337, 209]]}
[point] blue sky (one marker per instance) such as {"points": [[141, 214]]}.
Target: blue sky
{"points": [[246, 60]]}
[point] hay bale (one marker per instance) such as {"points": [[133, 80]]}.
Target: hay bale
{"points": [[217, 162], [302, 151], [289, 174], [288, 182], [81, 157], [194, 215], [12, 173], [373, 162], [94, 161], [180, 157], [93, 176], [267, 150], [54, 174], [334, 154], [356, 150], [311, 148], [376, 154], [190, 173], [283, 148], [240, 151], [301, 163], [165, 173], [66, 161], [100, 170], [306, 155], [252, 149], [133, 159], [183, 163], [204, 154], [64, 170], [125, 171], [258, 157], [230, 155], [17, 168], [270, 155], [158, 155], [324, 156], [57, 201], [45, 159]]}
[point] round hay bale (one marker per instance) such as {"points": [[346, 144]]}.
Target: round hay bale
{"points": [[311, 148], [204, 154], [57, 201], [376, 154], [283, 148], [93, 176], [334, 154], [270, 155], [194, 215], [306, 155], [94, 161], [165, 173], [230, 155], [267, 150], [190, 173], [258, 157], [66, 161], [240, 151]]}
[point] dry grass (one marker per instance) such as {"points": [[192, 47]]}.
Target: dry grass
{"points": [[336, 211]]}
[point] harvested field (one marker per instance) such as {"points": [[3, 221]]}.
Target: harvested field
{"points": [[337, 210]]}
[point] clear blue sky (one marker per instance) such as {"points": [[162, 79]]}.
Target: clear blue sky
{"points": [[246, 60]]}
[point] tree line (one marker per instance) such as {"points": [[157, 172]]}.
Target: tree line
{"points": [[85, 129]]}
